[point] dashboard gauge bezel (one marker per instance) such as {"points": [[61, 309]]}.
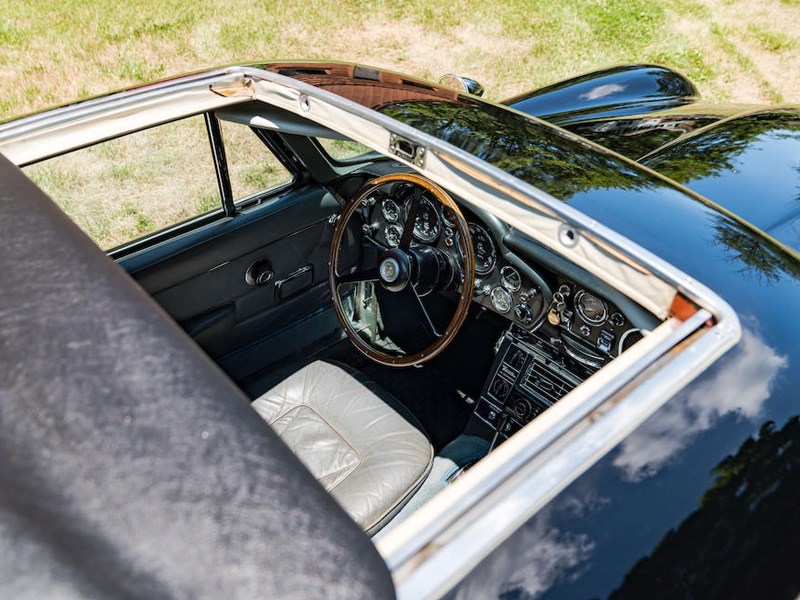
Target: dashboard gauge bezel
{"points": [[446, 220], [499, 290], [398, 212], [505, 274], [438, 224], [581, 311], [479, 269], [386, 234]]}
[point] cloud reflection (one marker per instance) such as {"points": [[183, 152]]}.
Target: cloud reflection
{"points": [[741, 388], [534, 558], [601, 91]]}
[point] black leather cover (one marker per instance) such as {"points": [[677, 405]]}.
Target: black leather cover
{"points": [[129, 464]]}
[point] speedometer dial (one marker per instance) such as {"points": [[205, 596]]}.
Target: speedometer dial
{"points": [[426, 225], [483, 247]]}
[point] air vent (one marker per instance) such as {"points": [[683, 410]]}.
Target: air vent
{"points": [[546, 383]]}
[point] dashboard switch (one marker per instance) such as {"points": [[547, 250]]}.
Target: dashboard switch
{"points": [[605, 341], [524, 314]]}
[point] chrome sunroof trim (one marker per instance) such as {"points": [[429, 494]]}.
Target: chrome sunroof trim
{"points": [[440, 543]]}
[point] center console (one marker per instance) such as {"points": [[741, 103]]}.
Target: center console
{"points": [[532, 371]]}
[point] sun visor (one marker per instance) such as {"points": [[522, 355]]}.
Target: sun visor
{"points": [[263, 116]]}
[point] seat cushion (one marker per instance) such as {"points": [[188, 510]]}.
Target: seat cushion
{"points": [[363, 451]]}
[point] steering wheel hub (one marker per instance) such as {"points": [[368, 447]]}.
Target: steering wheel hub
{"points": [[395, 270]]}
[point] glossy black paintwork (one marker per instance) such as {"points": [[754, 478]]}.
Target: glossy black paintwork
{"points": [[750, 165], [616, 92], [636, 136], [624, 509]]}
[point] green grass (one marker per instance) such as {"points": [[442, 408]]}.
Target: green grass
{"points": [[772, 41], [57, 51]]}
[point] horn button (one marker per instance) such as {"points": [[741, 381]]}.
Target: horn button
{"points": [[394, 270]]}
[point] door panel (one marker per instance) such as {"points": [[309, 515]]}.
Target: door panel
{"points": [[201, 280]]}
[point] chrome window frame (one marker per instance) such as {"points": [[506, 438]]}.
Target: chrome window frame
{"points": [[451, 534]]}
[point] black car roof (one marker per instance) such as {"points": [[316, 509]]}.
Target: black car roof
{"points": [[130, 465]]}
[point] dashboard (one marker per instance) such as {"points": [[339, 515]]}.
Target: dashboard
{"points": [[593, 328], [560, 323]]}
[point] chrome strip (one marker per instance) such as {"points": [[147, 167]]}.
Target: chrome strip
{"points": [[451, 534], [61, 130]]}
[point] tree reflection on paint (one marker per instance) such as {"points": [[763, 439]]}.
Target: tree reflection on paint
{"points": [[555, 162], [759, 258], [746, 530]]}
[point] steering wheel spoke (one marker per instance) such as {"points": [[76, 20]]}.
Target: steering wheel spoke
{"points": [[422, 315], [370, 274], [371, 242], [411, 219]]}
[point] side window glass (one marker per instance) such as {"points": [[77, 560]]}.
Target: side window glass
{"points": [[132, 186], [252, 167]]}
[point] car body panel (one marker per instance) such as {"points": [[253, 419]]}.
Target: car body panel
{"points": [[616, 92], [749, 164], [662, 479]]}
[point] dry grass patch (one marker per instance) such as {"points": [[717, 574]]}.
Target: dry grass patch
{"points": [[57, 51]]}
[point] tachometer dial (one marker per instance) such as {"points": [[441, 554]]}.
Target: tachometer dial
{"points": [[510, 278], [590, 308], [390, 210], [393, 234], [483, 247], [501, 299], [426, 225]]}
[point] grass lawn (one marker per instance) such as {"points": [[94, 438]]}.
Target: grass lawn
{"points": [[54, 51]]}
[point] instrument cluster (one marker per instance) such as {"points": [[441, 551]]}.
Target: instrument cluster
{"points": [[499, 285], [592, 328]]}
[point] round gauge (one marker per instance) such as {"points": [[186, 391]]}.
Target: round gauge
{"points": [[483, 247], [501, 299], [448, 218], [590, 308], [390, 210], [426, 225], [393, 234], [510, 278]]}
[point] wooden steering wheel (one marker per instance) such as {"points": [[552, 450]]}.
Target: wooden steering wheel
{"points": [[391, 274]]}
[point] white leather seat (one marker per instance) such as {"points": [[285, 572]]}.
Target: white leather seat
{"points": [[368, 456]]}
